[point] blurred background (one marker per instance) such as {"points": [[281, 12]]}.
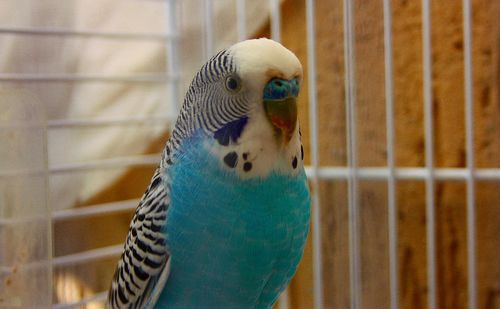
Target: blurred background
{"points": [[400, 115]]}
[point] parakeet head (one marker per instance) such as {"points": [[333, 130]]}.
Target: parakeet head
{"points": [[244, 100]]}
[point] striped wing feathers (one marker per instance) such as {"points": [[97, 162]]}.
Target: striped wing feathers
{"points": [[145, 254]]}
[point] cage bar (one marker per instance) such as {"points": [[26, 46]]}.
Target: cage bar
{"points": [[120, 162], [284, 300], [86, 256], [70, 259], [31, 77], [94, 210], [124, 121], [328, 172], [209, 28], [313, 127], [173, 60], [470, 164], [241, 19], [99, 297], [86, 34], [406, 173], [391, 180], [429, 155], [352, 180], [275, 20]]}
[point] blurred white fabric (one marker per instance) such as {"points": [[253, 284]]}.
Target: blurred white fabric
{"points": [[75, 55]]}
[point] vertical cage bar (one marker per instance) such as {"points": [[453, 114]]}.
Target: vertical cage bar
{"points": [[275, 20], [209, 28], [241, 19], [352, 181], [313, 127], [48, 213], [173, 60], [469, 139], [284, 302], [429, 154], [391, 183]]}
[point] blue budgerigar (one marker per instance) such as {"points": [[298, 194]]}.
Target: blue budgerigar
{"points": [[224, 221]]}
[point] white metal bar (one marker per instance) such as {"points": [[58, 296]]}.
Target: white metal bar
{"points": [[429, 155], [99, 297], [341, 172], [107, 163], [209, 28], [352, 181], [20, 173], [61, 77], [9, 269], [313, 127], [87, 256], [31, 219], [241, 19], [470, 164], [275, 20], [487, 174], [284, 301], [86, 34], [391, 180], [18, 125], [94, 210], [71, 259], [173, 62], [47, 213], [139, 120], [408, 173]]}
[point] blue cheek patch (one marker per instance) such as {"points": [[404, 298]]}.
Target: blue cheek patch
{"points": [[231, 131], [279, 89]]}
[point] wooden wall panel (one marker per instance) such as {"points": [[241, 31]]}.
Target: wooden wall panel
{"points": [[449, 145]]}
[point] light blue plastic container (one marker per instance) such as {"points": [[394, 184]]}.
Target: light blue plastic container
{"points": [[25, 224]]}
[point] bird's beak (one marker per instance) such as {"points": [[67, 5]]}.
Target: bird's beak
{"points": [[280, 104]]}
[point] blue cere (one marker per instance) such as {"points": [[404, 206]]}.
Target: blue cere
{"points": [[279, 89]]}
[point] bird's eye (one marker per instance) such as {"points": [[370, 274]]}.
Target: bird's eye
{"points": [[233, 84]]}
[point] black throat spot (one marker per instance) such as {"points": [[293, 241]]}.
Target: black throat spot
{"points": [[231, 159]]}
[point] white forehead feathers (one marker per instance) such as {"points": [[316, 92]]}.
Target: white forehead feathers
{"points": [[257, 61]]}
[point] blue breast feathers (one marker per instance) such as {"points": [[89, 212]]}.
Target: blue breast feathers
{"points": [[233, 243]]}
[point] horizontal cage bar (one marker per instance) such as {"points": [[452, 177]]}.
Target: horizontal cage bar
{"points": [[99, 297], [86, 256], [121, 162], [93, 210], [325, 173], [408, 173], [140, 120], [87, 34], [31, 77], [69, 259]]}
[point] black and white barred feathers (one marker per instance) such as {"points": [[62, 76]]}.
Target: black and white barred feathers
{"points": [[145, 254], [143, 267], [207, 105]]}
